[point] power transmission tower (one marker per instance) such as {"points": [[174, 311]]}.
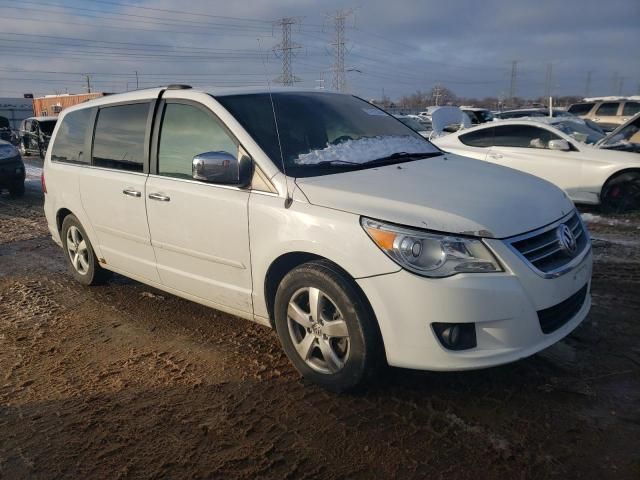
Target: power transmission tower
{"points": [[514, 78], [339, 50], [548, 81], [587, 90], [285, 49], [436, 95]]}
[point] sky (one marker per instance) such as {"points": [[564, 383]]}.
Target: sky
{"points": [[391, 47]]}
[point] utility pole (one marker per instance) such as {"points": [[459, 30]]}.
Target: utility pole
{"points": [[614, 82], [548, 81], [514, 78], [88, 84], [339, 50], [285, 49], [587, 90], [620, 85], [137, 86]]}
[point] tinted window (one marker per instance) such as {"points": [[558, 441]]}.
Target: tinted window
{"points": [[186, 132], [608, 109], [479, 138], [47, 126], [630, 109], [69, 142], [119, 137], [524, 136], [580, 108]]}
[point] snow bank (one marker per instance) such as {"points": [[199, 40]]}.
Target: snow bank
{"points": [[366, 149]]}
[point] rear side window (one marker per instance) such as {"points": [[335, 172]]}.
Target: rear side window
{"points": [[580, 108], [480, 138], [69, 143], [631, 108], [119, 137], [524, 136], [608, 109]]}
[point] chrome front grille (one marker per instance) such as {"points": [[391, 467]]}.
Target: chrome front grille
{"points": [[543, 250]]}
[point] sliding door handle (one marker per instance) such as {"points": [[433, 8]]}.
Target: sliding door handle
{"points": [[132, 193], [160, 197]]}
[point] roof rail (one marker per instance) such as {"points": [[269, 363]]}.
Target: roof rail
{"points": [[177, 86]]}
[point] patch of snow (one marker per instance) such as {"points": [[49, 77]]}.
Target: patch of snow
{"points": [[32, 171], [366, 149]]}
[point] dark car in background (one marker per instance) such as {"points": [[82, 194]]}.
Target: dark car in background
{"points": [[12, 171], [5, 130], [35, 133]]}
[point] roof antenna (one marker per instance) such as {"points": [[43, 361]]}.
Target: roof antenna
{"points": [[288, 198]]}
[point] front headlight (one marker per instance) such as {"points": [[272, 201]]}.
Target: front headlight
{"points": [[431, 254], [8, 151]]}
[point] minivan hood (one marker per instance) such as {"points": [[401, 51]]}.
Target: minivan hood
{"points": [[448, 193]]}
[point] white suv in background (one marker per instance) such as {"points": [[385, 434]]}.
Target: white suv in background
{"points": [[324, 217]]}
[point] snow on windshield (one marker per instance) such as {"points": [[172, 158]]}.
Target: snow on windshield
{"points": [[366, 149]]}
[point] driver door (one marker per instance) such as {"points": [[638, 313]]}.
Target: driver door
{"points": [[525, 148], [199, 230]]}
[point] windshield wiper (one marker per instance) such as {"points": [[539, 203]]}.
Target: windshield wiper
{"points": [[338, 162], [394, 157]]}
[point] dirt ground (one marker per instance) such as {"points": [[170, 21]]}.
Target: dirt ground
{"points": [[122, 381]]}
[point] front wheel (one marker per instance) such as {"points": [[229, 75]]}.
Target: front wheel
{"points": [[621, 193], [326, 328], [79, 252]]}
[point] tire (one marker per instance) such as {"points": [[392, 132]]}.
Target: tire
{"points": [[17, 190], [340, 349], [79, 254], [621, 193]]}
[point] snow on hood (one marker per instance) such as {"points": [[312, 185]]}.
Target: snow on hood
{"points": [[366, 149], [447, 193]]}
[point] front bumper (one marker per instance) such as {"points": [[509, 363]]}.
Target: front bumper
{"points": [[11, 171], [504, 307]]}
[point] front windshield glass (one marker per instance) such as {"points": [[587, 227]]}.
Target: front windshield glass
{"points": [[47, 126], [629, 135], [485, 115], [412, 123], [323, 133], [579, 131]]}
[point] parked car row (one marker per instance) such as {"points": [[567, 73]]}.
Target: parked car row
{"points": [[325, 218]]}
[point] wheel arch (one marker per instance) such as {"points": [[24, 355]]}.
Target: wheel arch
{"points": [[61, 214], [287, 262], [617, 173]]}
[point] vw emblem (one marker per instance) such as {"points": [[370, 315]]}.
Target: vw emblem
{"points": [[566, 240]]}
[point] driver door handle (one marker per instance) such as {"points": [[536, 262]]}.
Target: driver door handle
{"points": [[159, 196]]}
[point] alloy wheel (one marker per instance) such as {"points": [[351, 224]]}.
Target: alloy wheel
{"points": [[78, 250], [318, 330]]}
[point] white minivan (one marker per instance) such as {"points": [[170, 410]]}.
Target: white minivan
{"points": [[323, 217]]}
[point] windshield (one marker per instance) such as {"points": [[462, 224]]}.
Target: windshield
{"points": [[322, 133], [485, 115], [627, 135], [579, 131], [47, 126], [412, 123]]}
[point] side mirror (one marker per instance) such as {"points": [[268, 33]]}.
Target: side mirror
{"points": [[561, 145], [223, 168]]}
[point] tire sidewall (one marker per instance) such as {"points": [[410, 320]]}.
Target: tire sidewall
{"points": [[355, 315], [88, 278]]}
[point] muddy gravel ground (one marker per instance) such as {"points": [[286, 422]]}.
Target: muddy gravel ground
{"points": [[122, 381]]}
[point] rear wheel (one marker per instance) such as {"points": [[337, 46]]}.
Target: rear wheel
{"points": [[621, 193], [79, 252], [326, 328]]}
